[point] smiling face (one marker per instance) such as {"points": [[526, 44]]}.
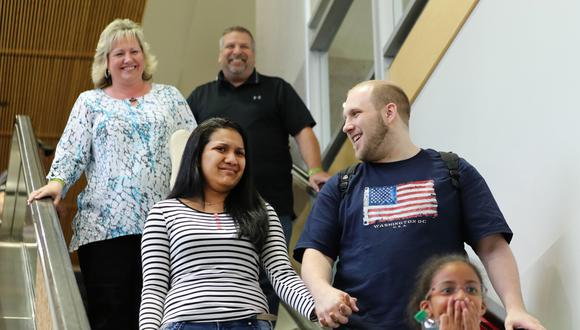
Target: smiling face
{"points": [[125, 61], [454, 282], [223, 161], [364, 125], [237, 58]]}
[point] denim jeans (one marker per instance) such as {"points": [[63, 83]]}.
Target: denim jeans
{"points": [[245, 324]]}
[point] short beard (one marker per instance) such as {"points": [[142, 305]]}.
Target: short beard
{"points": [[376, 138]]}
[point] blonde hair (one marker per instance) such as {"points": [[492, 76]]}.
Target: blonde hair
{"points": [[117, 30]]}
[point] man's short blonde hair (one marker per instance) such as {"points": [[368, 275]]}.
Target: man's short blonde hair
{"points": [[384, 92]]}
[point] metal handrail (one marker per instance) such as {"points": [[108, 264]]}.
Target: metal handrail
{"points": [[65, 303], [300, 176]]}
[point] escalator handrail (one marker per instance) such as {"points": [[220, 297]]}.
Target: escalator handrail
{"points": [[301, 177], [64, 299], [332, 149]]}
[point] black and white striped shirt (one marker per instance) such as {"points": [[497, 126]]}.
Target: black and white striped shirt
{"points": [[195, 268]]}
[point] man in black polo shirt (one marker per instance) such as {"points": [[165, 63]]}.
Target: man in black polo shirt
{"points": [[269, 110]]}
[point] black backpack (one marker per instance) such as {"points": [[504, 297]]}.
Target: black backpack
{"points": [[450, 158]]}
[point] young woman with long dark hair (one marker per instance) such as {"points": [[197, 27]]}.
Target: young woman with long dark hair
{"points": [[203, 247]]}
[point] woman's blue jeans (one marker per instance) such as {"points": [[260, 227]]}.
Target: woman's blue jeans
{"points": [[245, 324]]}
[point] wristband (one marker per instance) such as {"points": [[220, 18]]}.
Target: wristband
{"points": [[61, 181], [313, 171]]}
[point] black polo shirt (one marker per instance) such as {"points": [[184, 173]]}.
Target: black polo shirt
{"points": [[269, 110]]}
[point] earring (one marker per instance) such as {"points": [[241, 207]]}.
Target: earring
{"points": [[107, 75]]}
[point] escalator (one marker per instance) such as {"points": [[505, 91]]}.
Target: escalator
{"points": [[38, 289]]}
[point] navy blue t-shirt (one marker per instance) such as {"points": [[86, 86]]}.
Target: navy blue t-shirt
{"points": [[393, 218]]}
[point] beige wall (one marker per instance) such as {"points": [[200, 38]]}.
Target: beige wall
{"points": [[184, 35], [281, 49], [504, 96]]}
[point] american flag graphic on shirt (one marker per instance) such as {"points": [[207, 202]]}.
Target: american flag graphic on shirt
{"points": [[403, 201]]}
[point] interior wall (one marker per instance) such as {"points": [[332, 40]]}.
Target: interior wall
{"points": [[503, 97], [280, 34]]}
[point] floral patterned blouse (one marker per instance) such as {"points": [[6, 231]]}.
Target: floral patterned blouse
{"points": [[123, 151]]}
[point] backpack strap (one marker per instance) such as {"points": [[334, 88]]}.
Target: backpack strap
{"points": [[344, 178], [452, 162]]}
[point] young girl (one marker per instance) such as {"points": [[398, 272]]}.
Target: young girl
{"points": [[450, 290]]}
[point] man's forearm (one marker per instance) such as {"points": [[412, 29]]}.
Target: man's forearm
{"points": [[316, 271], [309, 147], [502, 269]]}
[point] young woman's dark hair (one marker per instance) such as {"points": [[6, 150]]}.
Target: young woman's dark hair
{"points": [[243, 202], [425, 277]]}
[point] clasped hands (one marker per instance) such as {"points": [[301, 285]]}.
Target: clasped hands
{"points": [[334, 308]]}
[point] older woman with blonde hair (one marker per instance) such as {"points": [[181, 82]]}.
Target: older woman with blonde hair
{"points": [[117, 135]]}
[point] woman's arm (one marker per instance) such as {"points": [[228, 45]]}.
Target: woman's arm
{"points": [[155, 260], [74, 152], [71, 157], [283, 277]]}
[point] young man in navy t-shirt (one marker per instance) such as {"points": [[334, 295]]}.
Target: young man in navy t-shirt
{"points": [[400, 208]]}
